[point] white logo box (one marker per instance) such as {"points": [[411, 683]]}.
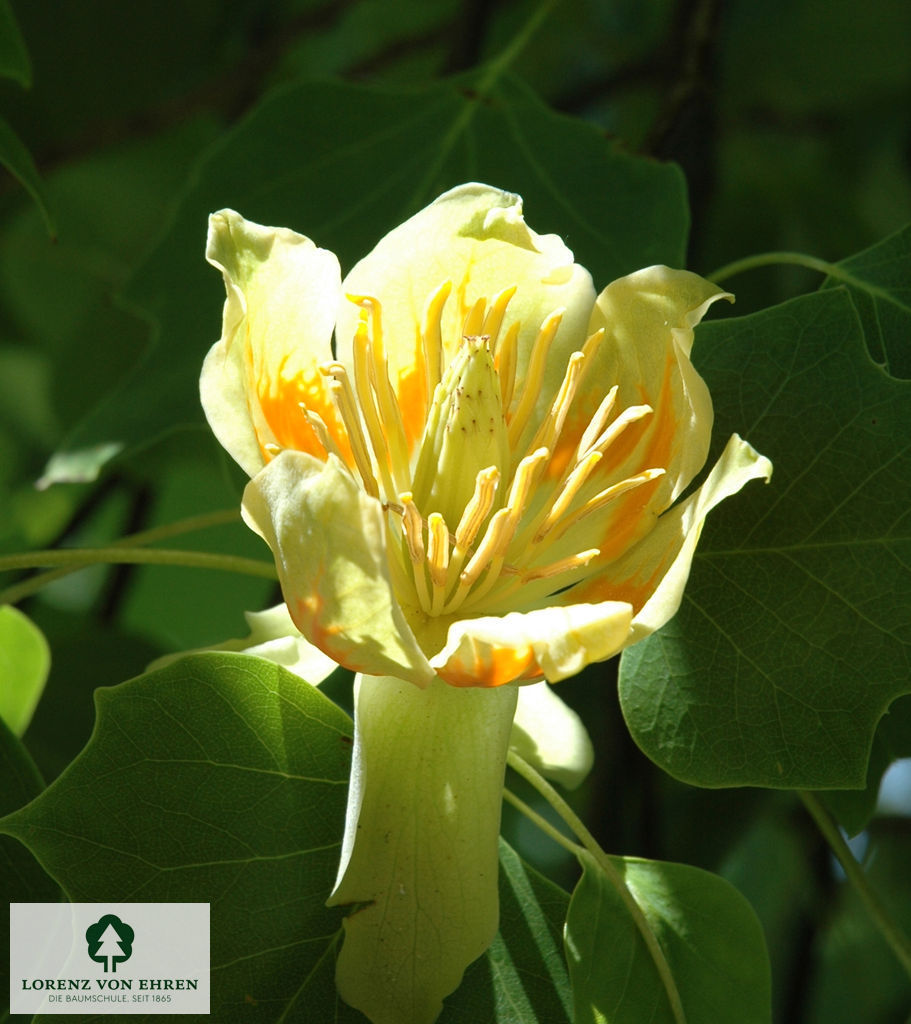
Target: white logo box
{"points": [[118, 958]]}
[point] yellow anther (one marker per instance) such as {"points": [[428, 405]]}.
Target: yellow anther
{"points": [[552, 424], [437, 549], [491, 546], [346, 404], [319, 428], [473, 324], [608, 495], [432, 337], [478, 507], [568, 492], [596, 424], [506, 363], [561, 566], [608, 436], [534, 376], [494, 319], [412, 527]]}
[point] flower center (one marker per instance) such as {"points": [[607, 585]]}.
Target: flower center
{"points": [[485, 502]]}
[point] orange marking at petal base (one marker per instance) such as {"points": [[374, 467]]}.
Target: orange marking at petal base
{"points": [[630, 591], [411, 395], [280, 402], [497, 667]]}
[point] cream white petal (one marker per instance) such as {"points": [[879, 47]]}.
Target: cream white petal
{"points": [[282, 295], [329, 542], [555, 643]]}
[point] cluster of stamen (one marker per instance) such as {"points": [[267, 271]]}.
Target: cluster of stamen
{"points": [[518, 510]]}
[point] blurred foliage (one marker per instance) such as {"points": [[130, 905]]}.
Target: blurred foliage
{"points": [[791, 123]]}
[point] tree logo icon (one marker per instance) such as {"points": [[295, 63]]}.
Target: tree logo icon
{"points": [[110, 942]]}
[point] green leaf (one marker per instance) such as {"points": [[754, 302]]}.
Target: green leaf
{"points": [[14, 59], [793, 637], [345, 165], [21, 877], [708, 934], [879, 281], [222, 778], [18, 161], [25, 660]]}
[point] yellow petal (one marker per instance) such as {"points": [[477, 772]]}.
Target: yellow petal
{"points": [[474, 237], [651, 576], [550, 736], [282, 296], [553, 642], [419, 856], [329, 542]]}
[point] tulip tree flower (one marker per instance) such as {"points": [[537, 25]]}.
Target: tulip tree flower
{"points": [[467, 465]]}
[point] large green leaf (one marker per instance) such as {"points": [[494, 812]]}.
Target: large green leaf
{"points": [[223, 778], [345, 164], [710, 939], [879, 280], [794, 634]]}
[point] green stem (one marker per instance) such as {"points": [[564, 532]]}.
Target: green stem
{"points": [[887, 926], [800, 259], [541, 822], [25, 588], [604, 862], [79, 558]]}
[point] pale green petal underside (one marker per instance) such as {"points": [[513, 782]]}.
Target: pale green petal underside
{"points": [[419, 859], [329, 542], [550, 736]]}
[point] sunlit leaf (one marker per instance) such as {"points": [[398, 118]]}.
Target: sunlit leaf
{"points": [[794, 635], [24, 663], [709, 936]]}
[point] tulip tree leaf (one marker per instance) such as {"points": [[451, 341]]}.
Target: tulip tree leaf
{"points": [[879, 280], [709, 935], [793, 637], [344, 164], [222, 778], [24, 663]]}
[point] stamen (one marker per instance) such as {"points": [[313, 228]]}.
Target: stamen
{"points": [[628, 416], [494, 319], [343, 395], [367, 403], [533, 377], [412, 527], [552, 424], [437, 549], [608, 495], [491, 545], [564, 496], [272, 449], [387, 404], [481, 502], [318, 424], [561, 566], [505, 363], [432, 337], [474, 321], [596, 425]]}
